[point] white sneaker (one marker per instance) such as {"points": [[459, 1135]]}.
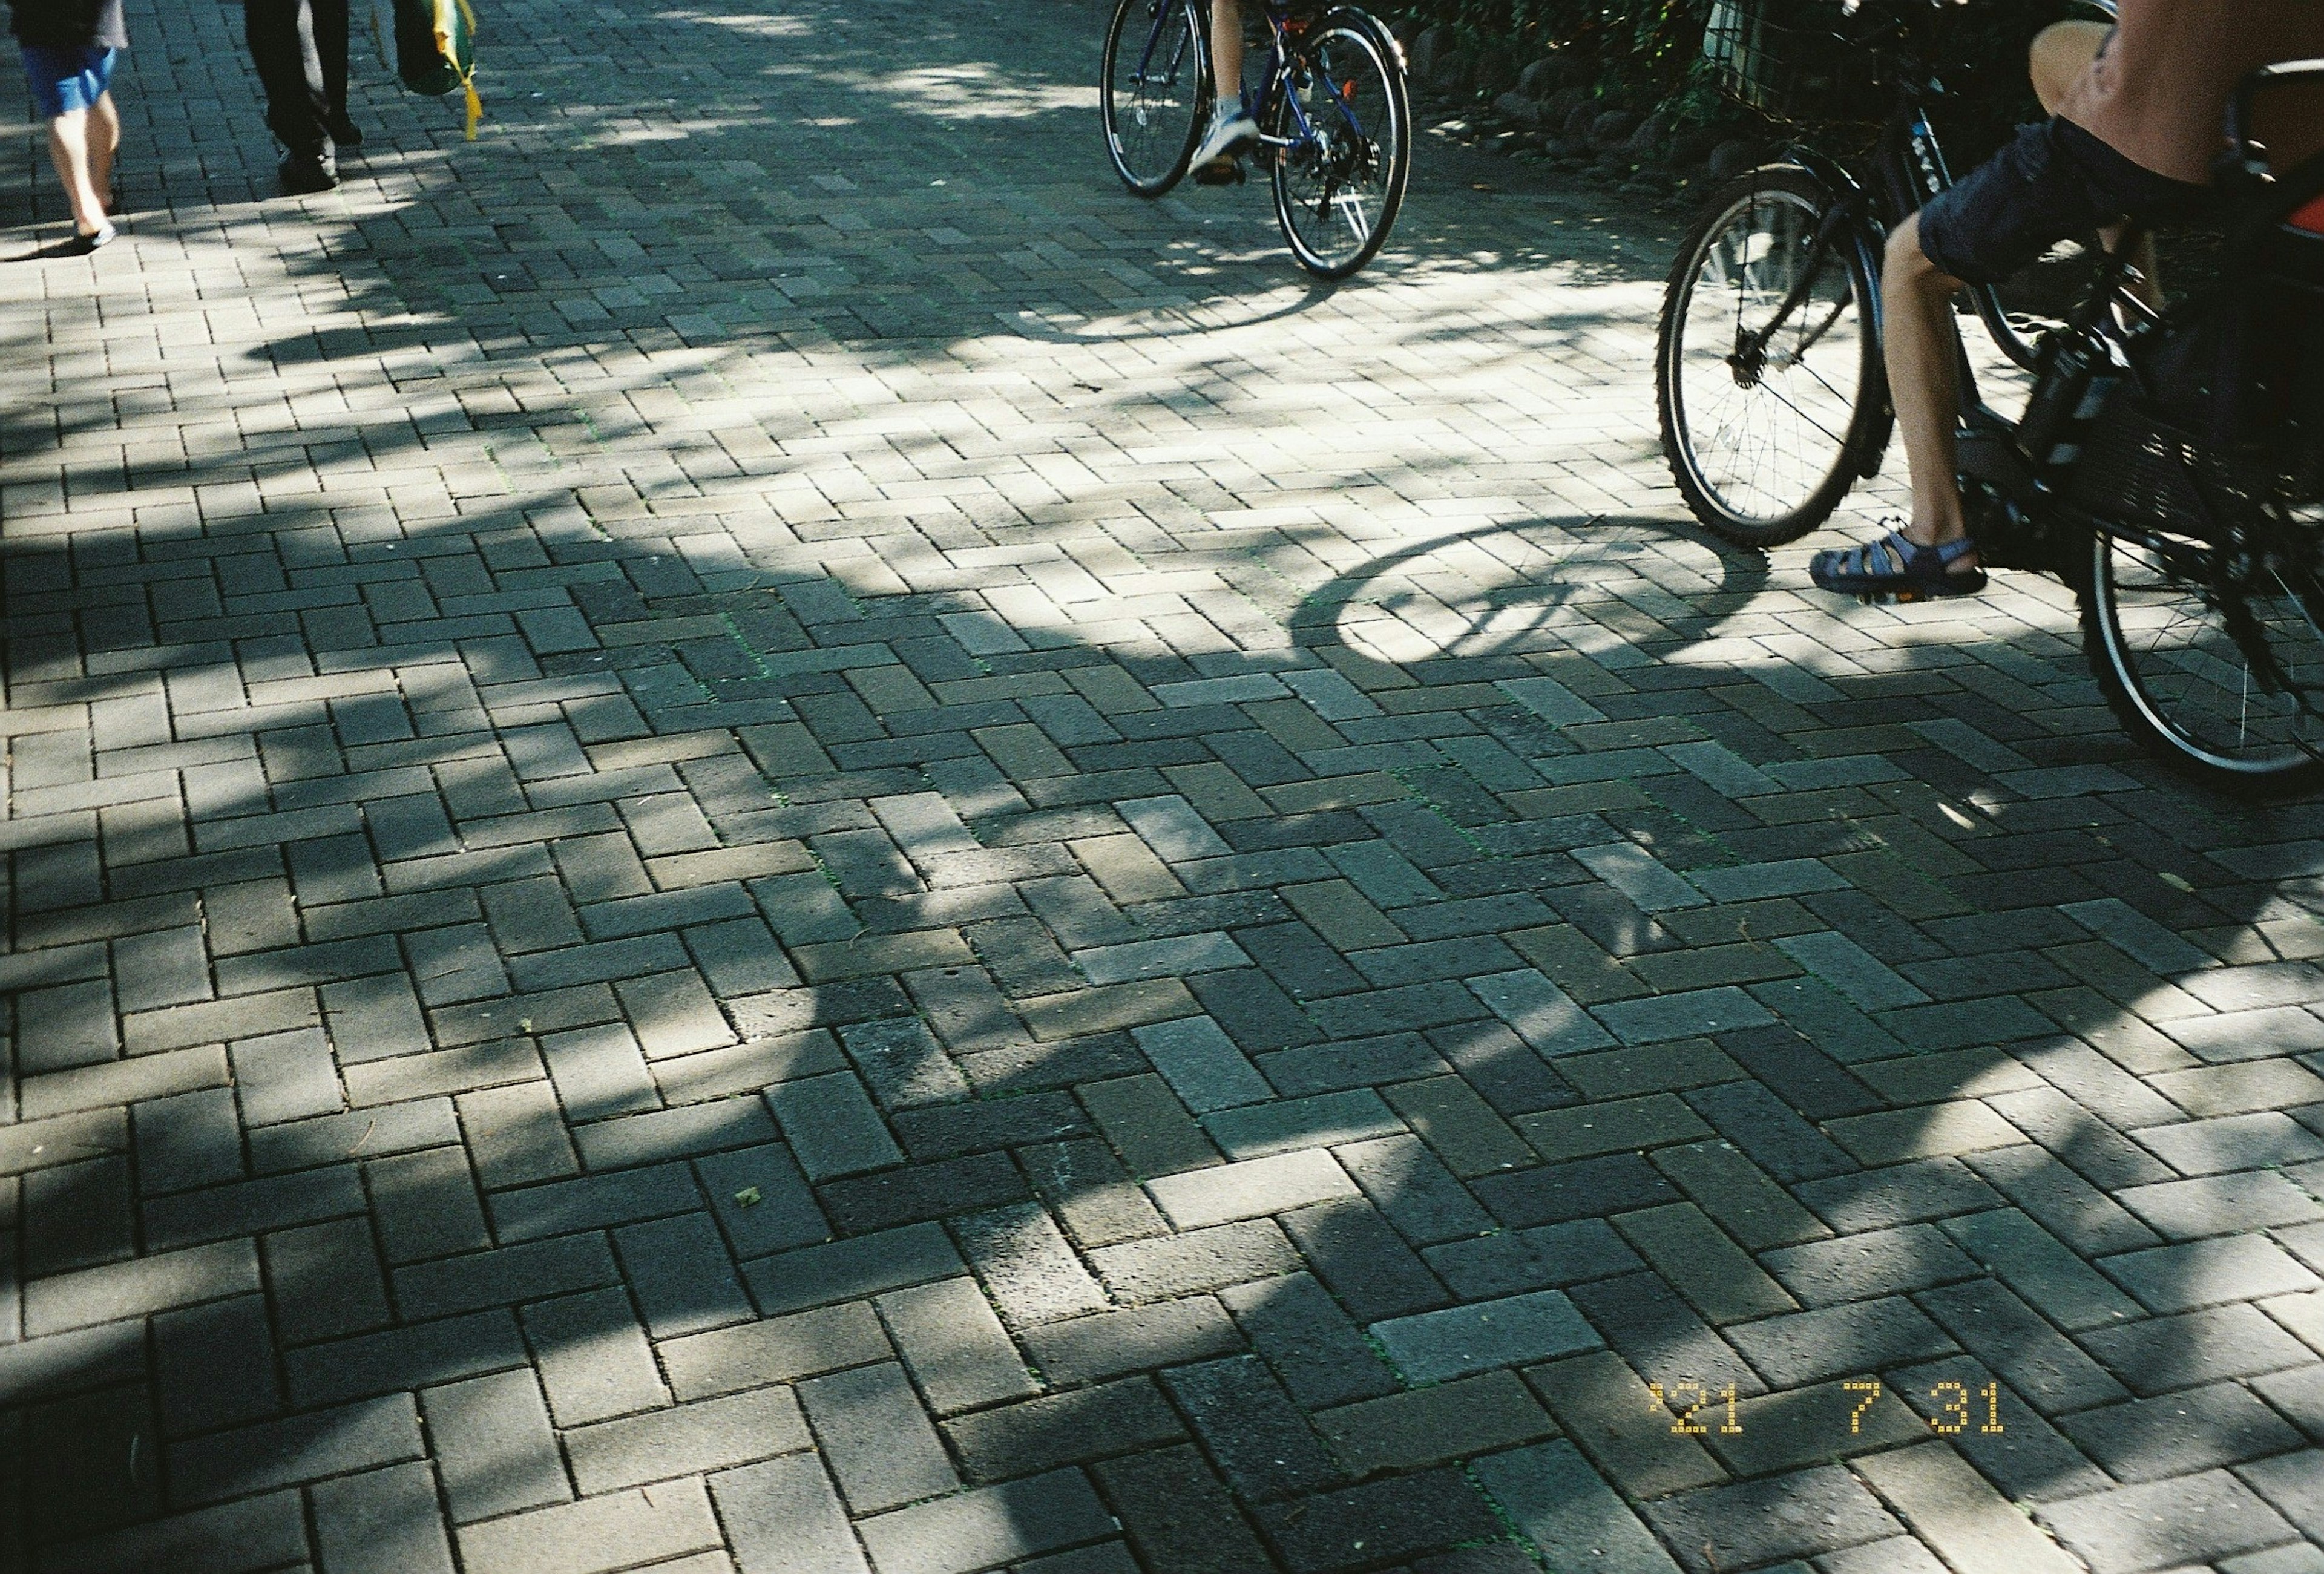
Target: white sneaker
{"points": [[1231, 127]]}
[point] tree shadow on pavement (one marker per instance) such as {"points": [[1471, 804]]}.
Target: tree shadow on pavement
{"points": [[441, 895]]}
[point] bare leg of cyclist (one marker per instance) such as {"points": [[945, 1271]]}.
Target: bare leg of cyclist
{"points": [[1923, 350], [1226, 47], [1231, 127]]}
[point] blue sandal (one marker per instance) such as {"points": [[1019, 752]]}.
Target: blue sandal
{"points": [[1898, 568]]}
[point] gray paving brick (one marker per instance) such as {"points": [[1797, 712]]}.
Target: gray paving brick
{"points": [[1436, 1345], [876, 1440], [381, 1521], [1251, 1190], [678, 1271], [1078, 1427], [1264, 1446], [2031, 1356], [955, 1347], [139, 1286], [776, 1349], [2200, 1273], [252, 1533], [1201, 1064], [1877, 1262], [2163, 1524], [213, 1365], [598, 1071], [593, 1357], [832, 1126], [994, 1524], [2161, 1354], [597, 1534], [2180, 1434], [784, 1515], [515, 1134], [302, 1448], [284, 1076], [1558, 1502], [561, 1208], [1598, 1401], [1818, 1510], [1325, 1120], [685, 1440], [492, 1443], [2220, 1204], [2031, 1262], [1428, 1426]]}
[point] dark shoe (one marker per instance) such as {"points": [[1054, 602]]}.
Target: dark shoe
{"points": [[83, 243], [1898, 569], [344, 132], [304, 174]]}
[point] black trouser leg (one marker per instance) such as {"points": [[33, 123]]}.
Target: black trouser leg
{"points": [[331, 45], [281, 34]]}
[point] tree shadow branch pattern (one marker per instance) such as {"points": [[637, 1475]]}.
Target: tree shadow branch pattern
{"points": [[651, 925]]}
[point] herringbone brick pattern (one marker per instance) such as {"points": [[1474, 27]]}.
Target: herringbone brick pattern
{"points": [[748, 830]]}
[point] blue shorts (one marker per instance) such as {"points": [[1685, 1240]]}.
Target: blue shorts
{"points": [[65, 79], [2053, 181]]}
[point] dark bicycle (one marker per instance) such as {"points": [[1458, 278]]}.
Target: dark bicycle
{"points": [[2169, 466], [1333, 114]]}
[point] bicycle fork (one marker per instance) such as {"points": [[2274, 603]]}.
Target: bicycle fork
{"points": [[1750, 357]]}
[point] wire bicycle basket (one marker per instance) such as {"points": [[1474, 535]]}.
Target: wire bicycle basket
{"points": [[1784, 60]]}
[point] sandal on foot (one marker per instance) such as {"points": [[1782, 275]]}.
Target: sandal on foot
{"points": [[1895, 566]]}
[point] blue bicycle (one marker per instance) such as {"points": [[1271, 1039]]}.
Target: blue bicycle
{"points": [[1333, 114]]}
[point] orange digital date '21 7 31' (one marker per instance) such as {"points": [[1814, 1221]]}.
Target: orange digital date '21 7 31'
{"points": [[1955, 1403]]}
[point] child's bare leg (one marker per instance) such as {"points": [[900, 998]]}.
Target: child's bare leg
{"points": [[104, 143], [68, 151]]}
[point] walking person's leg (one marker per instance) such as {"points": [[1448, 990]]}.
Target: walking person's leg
{"points": [[69, 149], [104, 146], [69, 93], [281, 36], [331, 49]]}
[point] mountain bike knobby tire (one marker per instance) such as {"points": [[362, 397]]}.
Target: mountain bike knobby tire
{"points": [[2202, 712], [1853, 424]]}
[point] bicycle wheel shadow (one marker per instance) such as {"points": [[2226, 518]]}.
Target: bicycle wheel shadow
{"points": [[343, 1178]]}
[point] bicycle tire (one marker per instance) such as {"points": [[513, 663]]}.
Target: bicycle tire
{"points": [[1684, 378], [1142, 139], [1355, 169], [2181, 685]]}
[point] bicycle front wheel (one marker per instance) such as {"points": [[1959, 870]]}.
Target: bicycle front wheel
{"points": [[1767, 372], [1154, 90], [2226, 684], [1345, 115]]}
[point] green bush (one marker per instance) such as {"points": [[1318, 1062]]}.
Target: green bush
{"points": [[1648, 54]]}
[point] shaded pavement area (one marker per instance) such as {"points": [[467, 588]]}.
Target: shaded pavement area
{"points": [[749, 829]]}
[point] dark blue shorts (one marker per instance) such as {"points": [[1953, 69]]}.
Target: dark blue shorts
{"points": [[66, 79], [2053, 181]]}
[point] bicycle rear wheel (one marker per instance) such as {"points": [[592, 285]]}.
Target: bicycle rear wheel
{"points": [[1346, 114], [1765, 434], [2243, 714], [1154, 90]]}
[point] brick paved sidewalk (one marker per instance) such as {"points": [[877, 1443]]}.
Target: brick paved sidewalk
{"points": [[748, 830]]}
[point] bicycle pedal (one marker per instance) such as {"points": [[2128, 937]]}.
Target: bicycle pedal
{"points": [[1221, 171]]}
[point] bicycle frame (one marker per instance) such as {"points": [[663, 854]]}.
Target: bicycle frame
{"points": [[1275, 82]]}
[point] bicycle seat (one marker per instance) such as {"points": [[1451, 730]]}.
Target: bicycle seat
{"points": [[2275, 138]]}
